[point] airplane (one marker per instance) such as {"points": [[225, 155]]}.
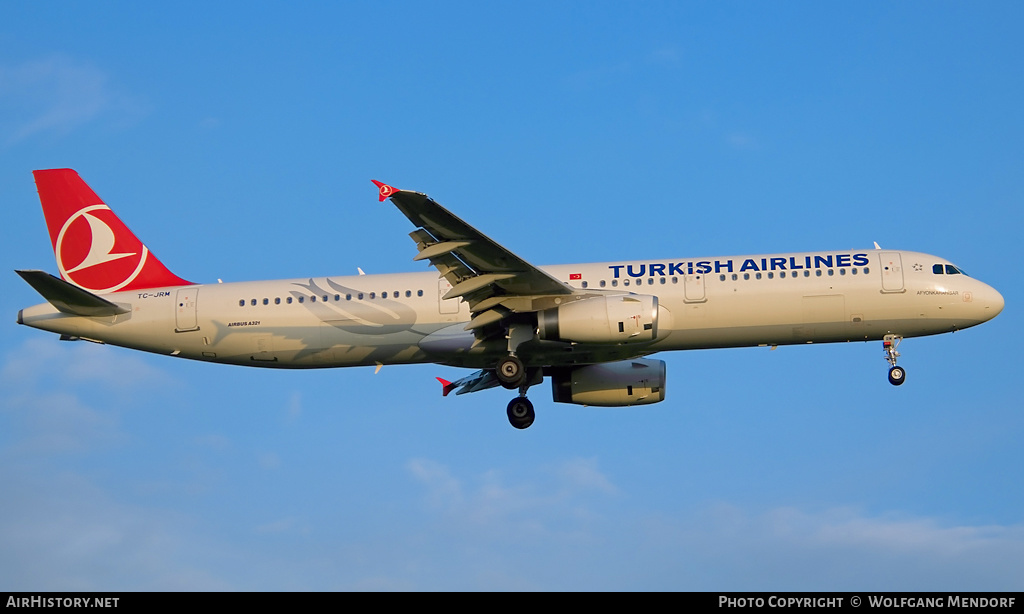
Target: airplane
{"points": [[589, 328]]}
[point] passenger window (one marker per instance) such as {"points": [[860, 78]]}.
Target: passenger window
{"points": [[348, 297], [241, 303], [302, 299], [360, 296], [663, 281], [419, 293], [277, 300], [818, 273], [807, 273], [408, 294], [584, 284], [602, 283], [383, 294], [782, 275], [253, 302], [312, 299], [373, 295], [771, 275], [746, 276], [842, 271], [831, 272], [757, 275], [266, 301], [289, 300]]}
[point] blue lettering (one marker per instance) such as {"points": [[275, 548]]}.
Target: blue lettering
{"points": [[719, 266], [658, 269], [675, 268], [842, 259], [615, 268], [778, 263], [703, 267], [860, 260], [823, 261], [643, 269], [793, 264], [749, 265]]}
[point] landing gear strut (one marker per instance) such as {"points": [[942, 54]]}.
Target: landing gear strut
{"points": [[897, 375]]}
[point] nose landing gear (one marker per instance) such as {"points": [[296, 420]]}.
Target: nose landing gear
{"points": [[897, 375]]}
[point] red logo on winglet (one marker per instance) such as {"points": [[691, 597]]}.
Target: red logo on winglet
{"points": [[446, 386], [385, 189]]}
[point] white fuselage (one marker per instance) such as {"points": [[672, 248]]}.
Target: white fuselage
{"points": [[772, 299]]}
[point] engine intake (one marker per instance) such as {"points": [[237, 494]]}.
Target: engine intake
{"points": [[622, 318], [614, 384]]}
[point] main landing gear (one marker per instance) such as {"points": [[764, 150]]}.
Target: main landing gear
{"points": [[520, 412], [512, 373], [897, 375]]}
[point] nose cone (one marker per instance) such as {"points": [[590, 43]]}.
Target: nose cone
{"points": [[988, 301]]}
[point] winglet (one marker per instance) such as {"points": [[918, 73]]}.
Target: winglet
{"points": [[447, 386], [385, 189]]}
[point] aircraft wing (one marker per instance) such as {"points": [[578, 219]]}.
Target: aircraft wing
{"points": [[485, 274]]}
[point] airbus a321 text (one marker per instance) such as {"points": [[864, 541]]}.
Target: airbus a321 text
{"points": [[587, 327]]}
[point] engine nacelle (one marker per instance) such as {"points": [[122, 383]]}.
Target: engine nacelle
{"points": [[622, 318], [613, 384]]}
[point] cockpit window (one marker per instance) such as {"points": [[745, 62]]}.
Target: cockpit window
{"points": [[948, 269]]}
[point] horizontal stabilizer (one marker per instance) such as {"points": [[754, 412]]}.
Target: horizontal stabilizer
{"points": [[69, 298]]}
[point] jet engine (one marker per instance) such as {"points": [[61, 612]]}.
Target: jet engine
{"points": [[613, 384], [623, 318]]}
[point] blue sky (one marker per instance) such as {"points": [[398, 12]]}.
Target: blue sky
{"points": [[239, 140]]}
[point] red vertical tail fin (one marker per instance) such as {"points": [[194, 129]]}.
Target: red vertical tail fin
{"points": [[93, 247]]}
